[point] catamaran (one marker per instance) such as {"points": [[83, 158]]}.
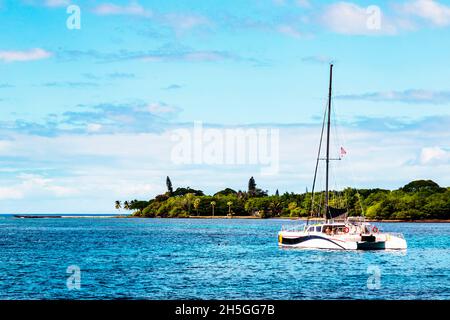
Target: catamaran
{"points": [[336, 230]]}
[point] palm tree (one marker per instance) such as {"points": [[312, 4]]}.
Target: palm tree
{"points": [[189, 197], [196, 204], [213, 205], [229, 204], [126, 205], [118, 205], [276, 207]]}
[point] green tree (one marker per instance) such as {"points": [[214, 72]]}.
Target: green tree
{"points": [[138, 205], [421, 199], [294, 210], [118, 205], [189, 197], [161, 197], [253, 191], [169, 186], [275, 206], [225, 192], [421, 185], [213, 205], [197, 204], [229, 204], [252, 187], [184, 191]]}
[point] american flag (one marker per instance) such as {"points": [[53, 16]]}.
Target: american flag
{"points": [[343, 152]]}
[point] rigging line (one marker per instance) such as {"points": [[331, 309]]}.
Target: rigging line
{"points": [[317, 161], [333, 146], [321, 203], [318, 196], [336, 129], [336, 193], [339, 144], [316, 205], [335, 166], [352, 173]]}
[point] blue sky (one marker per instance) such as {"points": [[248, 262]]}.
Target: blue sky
{"points": [[86, 114]]}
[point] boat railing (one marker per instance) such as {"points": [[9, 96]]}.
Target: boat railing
{"points": [[293, 228], [356, 220], [395, 234]]}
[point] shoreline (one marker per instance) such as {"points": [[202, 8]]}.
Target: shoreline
{"points": [[59, 216], [290, 218]]}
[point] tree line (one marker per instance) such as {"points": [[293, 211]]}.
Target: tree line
{"points": [[420, 199]]}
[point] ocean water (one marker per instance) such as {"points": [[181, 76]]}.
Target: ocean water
{"points": [[210, 259]]}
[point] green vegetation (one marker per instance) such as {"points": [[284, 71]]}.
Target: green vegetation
{"points": [[421, 199]]}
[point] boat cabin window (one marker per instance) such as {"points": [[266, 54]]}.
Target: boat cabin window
{"points": [[318, 229], [311, 229]]}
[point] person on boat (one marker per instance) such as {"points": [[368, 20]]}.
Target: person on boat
{"points": [[328, 231]]}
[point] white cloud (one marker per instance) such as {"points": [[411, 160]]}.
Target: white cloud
{"points": [[415, 96], [319, 59], [300, 3], [88, 172], [30, 55], [131, 9], [289, 30], [32, 182], [10, 193], [131, 189], [56, 3], [434, 155], [47, 3], [352, 19], [4, 145], [161, 108], [204, 56], [93, 127], [32, 185], [179, 22], [432, 11], [182, 22]]}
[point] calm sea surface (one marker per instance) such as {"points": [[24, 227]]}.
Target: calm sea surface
{"points": [[209, 259]]}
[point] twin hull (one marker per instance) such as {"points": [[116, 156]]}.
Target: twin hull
{"points": [[346, 242]]}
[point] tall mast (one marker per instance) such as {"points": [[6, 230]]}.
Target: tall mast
{"points": [[328, 144]]}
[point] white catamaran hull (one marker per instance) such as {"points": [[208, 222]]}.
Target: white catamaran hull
{"points": [[349, 242]]}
